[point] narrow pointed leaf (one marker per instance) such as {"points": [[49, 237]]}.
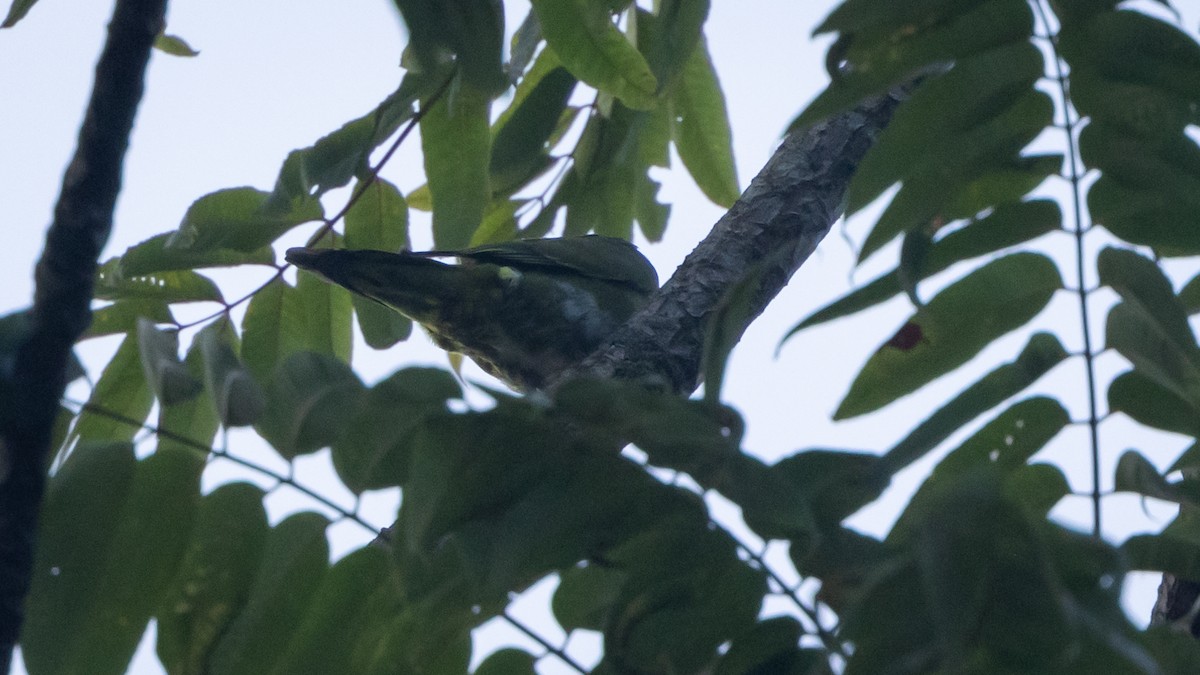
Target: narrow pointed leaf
{"points": [[956, 324], [701, 129], [191, 426], [154, 256], [238, 398], [1135, 473], [1042, 353], [121, 390]]}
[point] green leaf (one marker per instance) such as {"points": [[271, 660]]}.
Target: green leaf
{"points": [[153, 255], [1154, 353], [1145, 216], [956, 324], [326, 310], [930, 126], [771, 646], [294, 561], [508, 661], [966, 172], [241, 219], [1135, 473], [310, 401], [883, 57], [334, 636], [585, 596], [238, 398], [112, 534], [860, 15], [521, 136], [836, 483], [166, 374], [1189, 295], [581, 32], [1007, 225], [282, 320], [651, 214], [373, 453], [173, 45], [1042, 353], [122, 317], [473, 30], [456, 140], [214, 576], [17, 11], [180, 286], [700, 127], [191, 426], [1163, 553], [121, 390], [379, 220], [1143, 110]]}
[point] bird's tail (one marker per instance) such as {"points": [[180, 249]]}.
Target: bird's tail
{"points": [[413, 285]]}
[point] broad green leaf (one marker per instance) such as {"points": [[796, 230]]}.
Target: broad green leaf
{"points": [[1037, 487], [166, 374], [1135, 473], [456, 141], [929, 127], [378, 219], [1130, 46], [1144, 287], [326, 310], [651, 214], [581, 32], [883, 57], [956, 324], [600, 190], [214, 577], [499, 223], [508, 661], [113, 532], [1008, 225], [771, 646], [154, 256], [963, 167], [860, 15], [332, 637], [122, 317], [121, 390], [1042, 353], [177, 286], [836, 483], [17, 11], [373, 453], [1142, 110], [670, 36], [174, 45], [1145, 216], [1153, 352], [701, 129], [293, 563], [585, 596], [238, 398], [1163, 553], [241, 219], [1165, 167], [311, 400], [1174, 650]]}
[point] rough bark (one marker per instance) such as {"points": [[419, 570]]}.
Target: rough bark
{"points": [[34, 382], [773, 228]]}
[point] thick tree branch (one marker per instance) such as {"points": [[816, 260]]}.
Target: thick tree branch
{"points": [[34, 382], [777, 223]]}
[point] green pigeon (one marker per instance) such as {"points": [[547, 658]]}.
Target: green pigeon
{"points": [[524, 310]]}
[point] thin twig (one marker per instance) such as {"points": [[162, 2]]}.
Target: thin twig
{"points": [[559, 653]]}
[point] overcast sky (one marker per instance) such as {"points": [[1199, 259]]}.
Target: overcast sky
{"points": [[274, 75]]}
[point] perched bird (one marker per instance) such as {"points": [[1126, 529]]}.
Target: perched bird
{"points": [[523, 310]]}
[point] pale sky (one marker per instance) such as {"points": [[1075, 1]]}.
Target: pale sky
{"points": [[274, 75]]}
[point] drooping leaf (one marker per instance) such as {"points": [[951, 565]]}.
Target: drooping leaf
{"points": [[326, 309], [471, 30], [1008, 225], [456, 142], [1153, 352], [191, 426], [1163, 553], [214, 577], [955, 325], [585, 596], [282, 320], [121, 390], [1135, 473], [1042, 353], [522, 133], [379, 221], [240, 219], [238, 398], [17, 11], [700, 128], [836, 483], [581, 32], [166, 374], [293, 563], [373, 453], [154, 256], [113, 531], [177, 286], [311, 400]]}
